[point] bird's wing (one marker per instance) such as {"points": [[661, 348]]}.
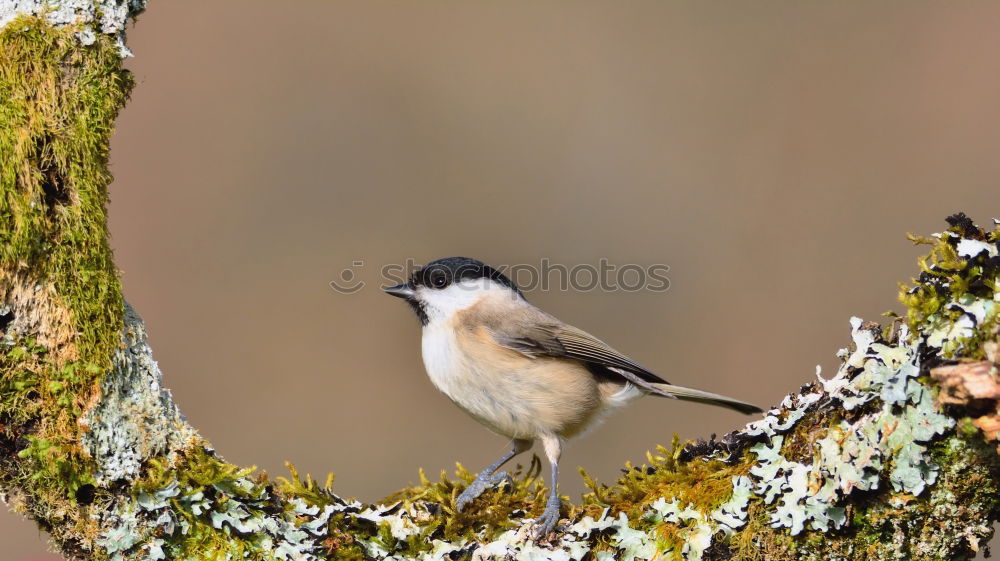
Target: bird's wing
{"points": [[552, 338], [535, 334]]}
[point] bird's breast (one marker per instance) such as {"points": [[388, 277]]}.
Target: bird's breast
{"points": [[511, 394], [471, 384]]}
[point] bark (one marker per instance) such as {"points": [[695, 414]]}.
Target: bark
{"points": [[894, 456]]}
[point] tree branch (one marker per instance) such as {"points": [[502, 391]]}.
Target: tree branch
{"points": [[865, 464]]}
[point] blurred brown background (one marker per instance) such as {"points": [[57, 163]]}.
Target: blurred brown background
{"points": [[773, 154]]}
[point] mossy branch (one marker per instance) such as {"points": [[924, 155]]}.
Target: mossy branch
{"points": [[892, 457]]}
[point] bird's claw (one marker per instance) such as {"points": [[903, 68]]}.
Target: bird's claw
{"points": [[483, 482], [545, 523]]}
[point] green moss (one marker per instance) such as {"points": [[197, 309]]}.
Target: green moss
{"points": [[491, 514], [758, 541], [948, 281], [799, 444], [200, 470], [196, 469], [35, 386], [343, 531], [702, 484], [198, 489], [58, 102], [19, 368]]}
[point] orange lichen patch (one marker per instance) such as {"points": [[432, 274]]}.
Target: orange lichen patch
{"points": [[990, 425], [33, 309], [965, 381], [974, 382]]}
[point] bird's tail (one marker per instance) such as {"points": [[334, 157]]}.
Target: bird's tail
{"points": [[689, 394]]}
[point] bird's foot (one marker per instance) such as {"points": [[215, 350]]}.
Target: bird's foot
{"points": [[545, 523], [483, 482]]}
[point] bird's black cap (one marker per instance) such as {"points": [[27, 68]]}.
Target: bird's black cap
{"points": [[444, 272]]}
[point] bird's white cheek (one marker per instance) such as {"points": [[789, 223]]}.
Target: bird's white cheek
{"points": [[441, 304]]}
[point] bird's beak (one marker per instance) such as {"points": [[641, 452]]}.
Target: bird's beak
{"points": [[400, 291]]}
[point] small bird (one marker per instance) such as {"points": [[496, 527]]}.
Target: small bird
{"points": [[521, 372]]}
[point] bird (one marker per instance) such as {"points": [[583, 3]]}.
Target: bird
{"points": [[521, 372]]}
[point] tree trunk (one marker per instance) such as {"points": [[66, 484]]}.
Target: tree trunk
{"points": [[892, 457]]}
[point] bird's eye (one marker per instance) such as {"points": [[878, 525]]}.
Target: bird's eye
{"points": [[438, 279]]}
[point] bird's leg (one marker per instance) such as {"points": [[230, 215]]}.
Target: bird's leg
{"points": [[547, 521], [489, 476]]}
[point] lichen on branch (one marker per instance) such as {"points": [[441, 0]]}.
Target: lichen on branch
{"points": [[89, 19]]}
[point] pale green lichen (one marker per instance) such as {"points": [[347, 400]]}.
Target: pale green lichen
{"points": [[89, 18], [696, 528], [151, 526], [857, 454], [136, 418], [215, 513]]}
